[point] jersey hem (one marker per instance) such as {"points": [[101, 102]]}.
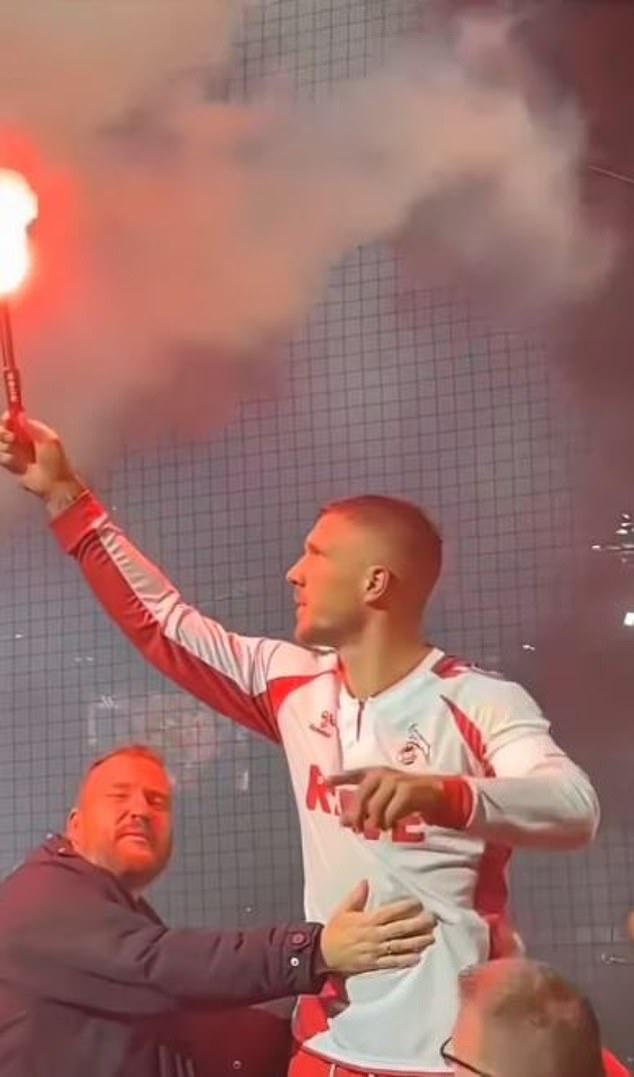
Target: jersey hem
{"points": [[367, 1065]]}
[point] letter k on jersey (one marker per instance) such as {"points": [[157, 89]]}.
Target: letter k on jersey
{"points": [[409, 831]]}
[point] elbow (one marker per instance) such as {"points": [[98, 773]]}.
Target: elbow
{"points": [[583, 820], [578, 836], [573, 823], [590, 826], [593, 819]]}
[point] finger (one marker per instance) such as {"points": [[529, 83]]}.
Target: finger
{"points": [[422, 924], [355, 812], [356, 900], [396, 910], [366, 791], [397, 961], [415, 945], [377, 805], [404, 962], [10, 461], [346, 777], [6, 435], [9, 452], [399, 806]]}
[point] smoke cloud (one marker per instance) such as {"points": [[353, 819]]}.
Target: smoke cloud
{"points": [[179, 235]]}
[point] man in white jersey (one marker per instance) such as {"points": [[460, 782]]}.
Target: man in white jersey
{"points": [[361, 688]]}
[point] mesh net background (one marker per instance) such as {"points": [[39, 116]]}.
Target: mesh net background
{"points": [[388, 387]]}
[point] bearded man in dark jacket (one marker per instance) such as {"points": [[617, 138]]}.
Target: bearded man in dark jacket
{"points": [[93, 984]]}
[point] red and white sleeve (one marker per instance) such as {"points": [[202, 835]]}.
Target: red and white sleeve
{"points": [[228, 672]]}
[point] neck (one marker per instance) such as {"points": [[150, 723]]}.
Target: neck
{"points": [[379, 659]]}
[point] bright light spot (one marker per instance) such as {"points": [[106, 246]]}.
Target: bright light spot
{"points": [[18, 210], [528, 647], [596, 546], [628, 620]]}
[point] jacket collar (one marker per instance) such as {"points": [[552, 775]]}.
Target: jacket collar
{"points": [[58, 846]]}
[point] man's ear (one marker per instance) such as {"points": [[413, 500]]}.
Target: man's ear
{"points": [[377, 583], [72, 823]]}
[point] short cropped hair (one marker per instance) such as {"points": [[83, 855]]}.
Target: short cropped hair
{"points": [[144, 751], [418, 535], [551, 1025]]}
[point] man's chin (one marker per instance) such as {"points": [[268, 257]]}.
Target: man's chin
{"points": [[139, 872], [311, 636], [136, 854]]}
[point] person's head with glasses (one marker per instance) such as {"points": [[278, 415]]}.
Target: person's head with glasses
{"points": [[519, 1018]]}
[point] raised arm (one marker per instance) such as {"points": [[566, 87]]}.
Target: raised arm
{"points": [[228, 672]]}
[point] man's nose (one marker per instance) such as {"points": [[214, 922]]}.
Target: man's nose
{"points": [[138, 805], [294, 574]]}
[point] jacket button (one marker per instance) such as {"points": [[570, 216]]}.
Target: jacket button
{"points": [[298, 938], [294, 962]]}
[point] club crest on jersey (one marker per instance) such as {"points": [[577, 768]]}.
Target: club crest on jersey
{"points": [[414, 746], [326, 726]]}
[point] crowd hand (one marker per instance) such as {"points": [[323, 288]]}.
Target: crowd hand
{"points": [[392, 936], [36, 456], [382, 796]]}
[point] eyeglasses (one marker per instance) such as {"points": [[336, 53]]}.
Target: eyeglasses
{"points": [[447, 1057]]}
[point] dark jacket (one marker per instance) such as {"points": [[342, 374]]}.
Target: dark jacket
{"points": [[92, 984]]}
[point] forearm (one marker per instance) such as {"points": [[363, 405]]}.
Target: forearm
{"points": [[119, 964], [552, 807], [243, 967]]}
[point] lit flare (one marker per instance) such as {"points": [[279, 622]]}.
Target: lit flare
{"points": [[18, 211]]}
